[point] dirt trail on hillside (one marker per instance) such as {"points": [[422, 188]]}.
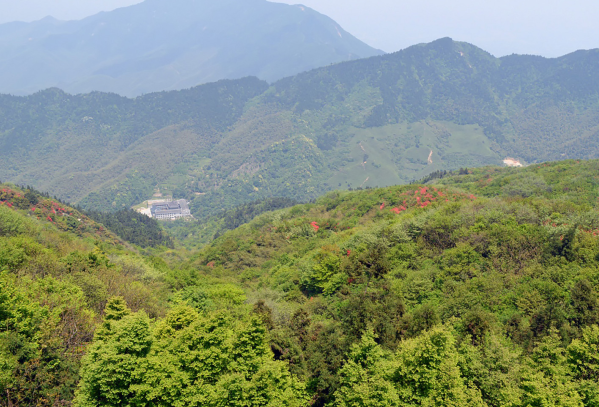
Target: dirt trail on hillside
{"points": [[363, 162], [430, 157]]}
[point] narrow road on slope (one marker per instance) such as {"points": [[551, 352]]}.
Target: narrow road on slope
{"points": [[363, 161]]}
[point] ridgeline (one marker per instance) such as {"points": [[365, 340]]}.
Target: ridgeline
{"points": [[379, 121]]}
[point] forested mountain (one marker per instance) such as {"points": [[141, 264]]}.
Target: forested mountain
{"points": [[431, 294], [480, 288], [171, 44], [378, 121], [128, 225], [87, 142], [58, 269]]}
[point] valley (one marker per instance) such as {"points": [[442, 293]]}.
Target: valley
{"points": [[237, 203]]}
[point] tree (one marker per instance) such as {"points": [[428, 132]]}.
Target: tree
{"points": [[114, 363], [264, 313], [42, 322], [190, 360], [583, 358], [424, 371], [427, 372], [546, 380], [115, 310], [585, 303], [365, 380]]}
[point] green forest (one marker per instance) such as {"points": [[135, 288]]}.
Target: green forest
{"points": [[381, 121], [473, 287]]}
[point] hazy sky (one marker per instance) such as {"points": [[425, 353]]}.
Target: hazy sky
{"points": [[542, 27]]}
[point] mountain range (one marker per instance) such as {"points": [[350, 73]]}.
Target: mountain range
{"points": [[163, 45], [300, 282], [377, 121]]}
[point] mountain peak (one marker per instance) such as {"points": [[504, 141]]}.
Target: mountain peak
{"points": [[49, 19], [164, 45]]}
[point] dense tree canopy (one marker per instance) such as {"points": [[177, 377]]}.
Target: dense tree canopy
{"points": [[469, 290]]}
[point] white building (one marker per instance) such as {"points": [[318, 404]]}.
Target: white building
{"points": [[170, 210]]}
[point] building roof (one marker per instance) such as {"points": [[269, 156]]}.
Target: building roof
{"points": [[179, 207]]}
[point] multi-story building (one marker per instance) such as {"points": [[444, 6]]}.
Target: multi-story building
{"points": [[170, 210]]}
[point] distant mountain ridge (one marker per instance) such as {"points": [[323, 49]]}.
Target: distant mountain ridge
{"points": [[378, 121], [176, 44]]}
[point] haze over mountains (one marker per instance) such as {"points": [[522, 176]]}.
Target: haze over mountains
{"points": [[377, 121], [162, 45], [477, 287]]}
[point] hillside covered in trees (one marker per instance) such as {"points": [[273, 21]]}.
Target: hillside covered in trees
{"points": [[480, 288], [373, 122], [58, 270]]}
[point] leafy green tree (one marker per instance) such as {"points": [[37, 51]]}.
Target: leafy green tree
{"points": [[11, 223], [547, 380], [493, 367], [461, 262], [111, 369], [427, 372], [189, 360], [325, 276], [585, 303], [264, 313], [365, 380], [325, 351], [42, 323], [116, 309], [583, 358]]}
